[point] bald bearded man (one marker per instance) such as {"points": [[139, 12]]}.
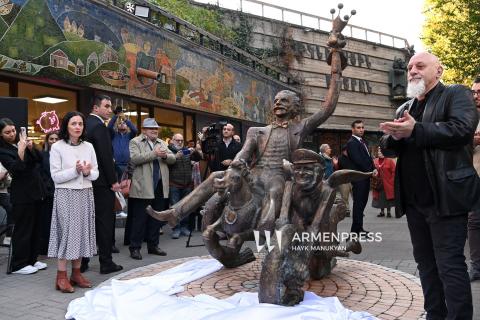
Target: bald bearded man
{"points": [[435, 182]]}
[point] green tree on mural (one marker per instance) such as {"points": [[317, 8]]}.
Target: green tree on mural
{"points": [[32, 33], [451, 32]]}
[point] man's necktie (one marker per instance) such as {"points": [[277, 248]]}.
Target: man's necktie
{"points": [[364, 144], [156, 173]]}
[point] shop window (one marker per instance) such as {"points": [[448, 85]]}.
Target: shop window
{"points": [[137, 115], [46, 108], [169, 117], [171, 122], [190, 135], [4, 89]]}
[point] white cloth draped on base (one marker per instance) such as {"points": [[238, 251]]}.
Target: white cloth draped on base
{"points": [[152, 298]]}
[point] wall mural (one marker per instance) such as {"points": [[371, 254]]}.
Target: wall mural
{"points": [[80, 42]]}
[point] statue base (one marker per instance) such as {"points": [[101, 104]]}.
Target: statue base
{"points": [[360, 286]]}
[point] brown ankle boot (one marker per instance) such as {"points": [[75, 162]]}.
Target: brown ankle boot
{"points": [[62, 282], [78, 279]]}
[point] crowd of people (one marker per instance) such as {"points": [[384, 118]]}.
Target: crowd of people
{"points": [[77, 177]]}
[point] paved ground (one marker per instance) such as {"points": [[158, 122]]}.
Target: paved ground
{"points": [[360, 286], [34, 296]]}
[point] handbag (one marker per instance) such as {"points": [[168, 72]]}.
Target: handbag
{"points": [[376, 183], [125, 184], [120, 203]]}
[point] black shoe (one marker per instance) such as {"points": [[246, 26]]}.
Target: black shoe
{"points": [[84, 265], [381, 214], [110, 268], [115, 249], [157, 251], [135, 254]]}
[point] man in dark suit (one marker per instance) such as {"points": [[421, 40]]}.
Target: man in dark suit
{"points": [[104, 187], [357, 150], [436, 185]]}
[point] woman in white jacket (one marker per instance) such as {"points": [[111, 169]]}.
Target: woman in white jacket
{"points": [[73, 166]]}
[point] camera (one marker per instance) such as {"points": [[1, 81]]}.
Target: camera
{"points": [[185, 151], [212, 136]]}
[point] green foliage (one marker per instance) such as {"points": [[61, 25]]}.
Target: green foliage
{"points": [[21, 41], [208, 20], [451, 32]]}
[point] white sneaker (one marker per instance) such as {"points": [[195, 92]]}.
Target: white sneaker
{"points": [[40, 265], [121, 214], [26, 270], [7, 240]]}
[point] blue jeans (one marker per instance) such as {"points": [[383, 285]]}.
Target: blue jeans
{"points": [[177, 194]]}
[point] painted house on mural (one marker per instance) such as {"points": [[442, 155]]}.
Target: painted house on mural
{"points": [[373, 84], [59, 53]]}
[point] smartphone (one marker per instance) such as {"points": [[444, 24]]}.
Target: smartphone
{"points": [[23, 132]]}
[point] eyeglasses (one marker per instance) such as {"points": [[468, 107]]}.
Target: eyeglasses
{"points": [[178, 140], [475, 92]]}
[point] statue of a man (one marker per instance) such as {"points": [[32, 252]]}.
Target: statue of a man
{"points": [[266, 147], [310, 208]]}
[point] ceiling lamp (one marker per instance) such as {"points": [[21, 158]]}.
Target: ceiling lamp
{"points": [[49, 100]]}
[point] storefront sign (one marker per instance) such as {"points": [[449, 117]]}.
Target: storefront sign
{"points": [[49, 122]]}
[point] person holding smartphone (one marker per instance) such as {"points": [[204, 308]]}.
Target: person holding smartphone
{"points": [[181, 182], [22, 161]]}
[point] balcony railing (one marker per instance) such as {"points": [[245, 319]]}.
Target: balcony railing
{"points": [[306, 20]]}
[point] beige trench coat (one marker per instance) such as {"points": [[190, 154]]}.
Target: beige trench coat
{"points": [[142, 157]]}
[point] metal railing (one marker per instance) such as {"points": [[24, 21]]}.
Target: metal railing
{"points": [[306, 20]]}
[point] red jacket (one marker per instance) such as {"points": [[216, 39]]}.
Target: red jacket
{"points": [[386, 170]]}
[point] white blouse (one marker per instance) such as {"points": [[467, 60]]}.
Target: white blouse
{"points": [[63, 159]]}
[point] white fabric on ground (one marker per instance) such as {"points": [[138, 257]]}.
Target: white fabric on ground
{"points": [[151, 298]]}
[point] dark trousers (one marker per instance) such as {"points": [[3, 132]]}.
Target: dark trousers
{"points": [[474, 240], [177, 194], [438, 244], [143, 225], [104, 222], [360, 191], [26, 235], [5, 203], [45, 222]]}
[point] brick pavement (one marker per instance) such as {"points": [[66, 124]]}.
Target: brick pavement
{"points": [[34, 296], [360, 286]]}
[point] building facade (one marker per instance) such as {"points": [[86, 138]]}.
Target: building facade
{"points": [[73, 49]]}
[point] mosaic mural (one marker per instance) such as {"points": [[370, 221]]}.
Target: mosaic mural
{"points": [[80, 42]]}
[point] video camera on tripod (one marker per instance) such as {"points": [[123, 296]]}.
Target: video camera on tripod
{"points": [[211, 137]]}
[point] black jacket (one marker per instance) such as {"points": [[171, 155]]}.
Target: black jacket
{"points": [[27, 185], [358, 155], [225, 153], [99, 136], [445, 134]]}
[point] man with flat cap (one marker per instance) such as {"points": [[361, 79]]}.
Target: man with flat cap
{"points": [[150, 186], [310, 207]]}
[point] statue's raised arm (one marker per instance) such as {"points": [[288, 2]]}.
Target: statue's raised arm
{"points": [[265, 148], [337, 60]]}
